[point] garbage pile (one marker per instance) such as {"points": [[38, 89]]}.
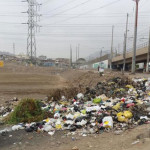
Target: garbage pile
{"points": [[5, 110], [118, 105]]}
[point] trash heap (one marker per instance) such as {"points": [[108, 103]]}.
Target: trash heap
{"points": [[116, 105]]}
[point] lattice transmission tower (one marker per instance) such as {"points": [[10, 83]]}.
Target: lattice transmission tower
{"points": [[33, 19]]}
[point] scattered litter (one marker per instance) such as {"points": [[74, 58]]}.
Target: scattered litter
{"points": [[51, 133], [118, 132], [108, 122], [75, 148], [135, 142], [10, 136], [119, 104], [80, 96]]}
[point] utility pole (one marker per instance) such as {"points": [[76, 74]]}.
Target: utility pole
{"points": [[135, 38], [111, 55], [32, 28], [101, 52], [70, 56], [148, 53], [76, 54], [124, 53], [118, 48], [78, 51], [125, 44], [101, 55], [14, 49], [116, 51]]}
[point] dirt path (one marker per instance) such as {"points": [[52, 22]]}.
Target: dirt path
{"points": [[20, 140]]}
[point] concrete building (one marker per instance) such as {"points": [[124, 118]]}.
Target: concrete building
{"points": [[47, 63], [62, 62], [42, 57]]}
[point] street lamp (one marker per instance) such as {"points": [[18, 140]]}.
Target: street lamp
{"points": [[135, 38]]}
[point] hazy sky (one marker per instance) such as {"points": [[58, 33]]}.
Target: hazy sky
{"points": [[64, 22]]}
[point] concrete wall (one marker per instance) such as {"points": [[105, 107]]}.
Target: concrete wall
{"points": [[103, 64]]}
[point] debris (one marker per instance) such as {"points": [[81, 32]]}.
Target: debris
{"points": [[75, 148], [135, 142], [118, 104], [121, 117], [118, 132], [10, 136], [17, 127], [51, 133], [96, 100], [108, 122], [80, 96]]}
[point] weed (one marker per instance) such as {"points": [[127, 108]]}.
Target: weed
{"points": [[28, 110]]}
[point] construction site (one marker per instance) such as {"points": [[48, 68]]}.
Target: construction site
{"points": [[75, 75]]}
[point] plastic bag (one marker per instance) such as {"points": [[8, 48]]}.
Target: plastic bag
{"points": [[121, 117], [127, 114], [97, 100], [116, 107], [108, 122]]}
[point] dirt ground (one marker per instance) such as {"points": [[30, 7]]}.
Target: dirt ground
{"points": [[20, 140], [26, 82], [36, 82]]}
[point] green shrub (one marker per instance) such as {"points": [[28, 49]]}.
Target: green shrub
{"points": [[28, 110]]}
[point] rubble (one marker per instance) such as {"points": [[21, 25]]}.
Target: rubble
{"points": [[116, 105]]}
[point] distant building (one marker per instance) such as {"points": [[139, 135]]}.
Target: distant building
{"points": [[103, 64], [22, 56], [1, 57], [47, 63], [42, 57], [62, 62], [6, 57], [81, 61]]}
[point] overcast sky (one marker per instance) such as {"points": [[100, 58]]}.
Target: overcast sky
{"points": [[64, 22]]}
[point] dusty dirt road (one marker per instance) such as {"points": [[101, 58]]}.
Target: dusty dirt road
{"points": [[20, 140]]}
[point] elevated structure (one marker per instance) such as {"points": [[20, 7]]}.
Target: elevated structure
{"points": [[141, 57]]}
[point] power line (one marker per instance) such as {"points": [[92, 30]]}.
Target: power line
{"points": [[47, 1], [90, 11], [91, 16], [80, 25], [67, 35], [69, 9], [12, 16], [10, 23], [89, 25], [61, 6]]}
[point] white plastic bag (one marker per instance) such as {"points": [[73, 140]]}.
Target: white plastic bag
{"points": [[108, 122]]}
